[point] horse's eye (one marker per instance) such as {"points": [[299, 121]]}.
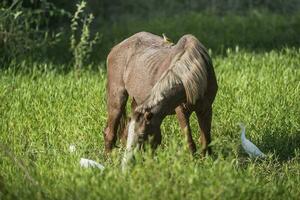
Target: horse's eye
{"points": [[139, 117]]}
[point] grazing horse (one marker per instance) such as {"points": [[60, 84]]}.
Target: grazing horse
{"points": [[162, 79]]}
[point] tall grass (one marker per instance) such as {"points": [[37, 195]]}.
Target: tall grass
{"points": [[43, 112]]}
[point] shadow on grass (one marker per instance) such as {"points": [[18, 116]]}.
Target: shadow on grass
{"points": [[282, 145]]}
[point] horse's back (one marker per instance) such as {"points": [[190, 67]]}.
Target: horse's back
{"points": [[133, 42], [146, 65], [121, 54]]}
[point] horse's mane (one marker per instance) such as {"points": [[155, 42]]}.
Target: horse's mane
{"points": [[188, 67]]}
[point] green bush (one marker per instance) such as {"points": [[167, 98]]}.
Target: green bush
{"points": [[24, 31], [81, 40]]}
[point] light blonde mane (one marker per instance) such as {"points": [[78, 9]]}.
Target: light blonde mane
{"points": [[188, 68]]}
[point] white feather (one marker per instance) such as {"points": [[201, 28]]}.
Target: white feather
{"points": [[72, 148], [86, 163], [250, 148]]}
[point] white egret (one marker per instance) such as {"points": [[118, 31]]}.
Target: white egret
{"points": [[86, 163], [72, 148], [250, 148]]}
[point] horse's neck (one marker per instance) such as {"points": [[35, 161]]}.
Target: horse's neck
{"points": [[165, 87], [171, 98]]}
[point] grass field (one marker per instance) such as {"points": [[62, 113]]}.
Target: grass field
{"points": [[44, 111]]}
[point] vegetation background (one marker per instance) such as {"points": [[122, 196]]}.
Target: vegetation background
{"points": [[52, 95], [42, 29]]}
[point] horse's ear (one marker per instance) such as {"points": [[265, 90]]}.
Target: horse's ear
{"points": [[148, 115]]}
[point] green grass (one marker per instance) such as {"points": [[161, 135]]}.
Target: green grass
{"points": [[44, 111]]}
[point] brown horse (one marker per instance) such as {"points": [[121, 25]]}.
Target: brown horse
{"points": [[162, 79]]}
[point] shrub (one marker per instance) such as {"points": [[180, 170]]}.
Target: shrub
{"points": [[81, 40], [24, 31]]}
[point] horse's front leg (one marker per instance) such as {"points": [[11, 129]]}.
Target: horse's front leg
{"points": [[155, 140], [116, 108], [183, 118], [124, 134]]}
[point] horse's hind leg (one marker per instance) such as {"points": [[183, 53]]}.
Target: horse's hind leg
{"points": [[183, 118], [204, 120], [116, 108]]}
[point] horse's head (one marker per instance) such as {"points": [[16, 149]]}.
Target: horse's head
{"points": [[139, 128]]}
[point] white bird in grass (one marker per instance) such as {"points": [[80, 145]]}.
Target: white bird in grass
{"points": [[248, 146], [86, 163], [72, 148]]}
